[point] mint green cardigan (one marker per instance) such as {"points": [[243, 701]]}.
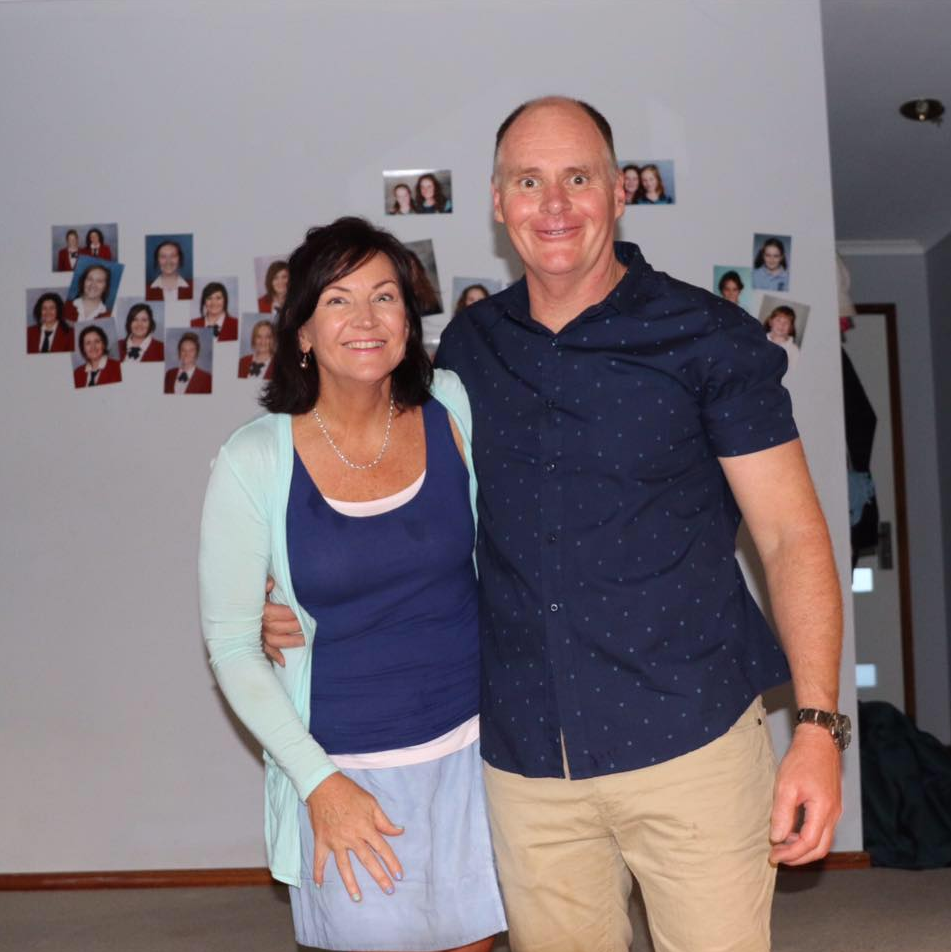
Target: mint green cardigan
{"points": [[243, 540]]}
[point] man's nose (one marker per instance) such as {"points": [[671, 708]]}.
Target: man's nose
{"points": [[555, 198]]}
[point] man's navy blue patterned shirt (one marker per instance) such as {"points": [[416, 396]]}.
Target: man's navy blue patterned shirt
{"points": [[613, 611]]}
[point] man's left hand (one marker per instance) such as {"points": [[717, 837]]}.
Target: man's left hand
{"points": [[810, 777]]}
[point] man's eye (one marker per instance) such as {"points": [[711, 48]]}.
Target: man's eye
{"points": [[579, 179], [529, 183]]}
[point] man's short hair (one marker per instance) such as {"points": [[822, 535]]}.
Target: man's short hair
{"points": [[604, 127]]}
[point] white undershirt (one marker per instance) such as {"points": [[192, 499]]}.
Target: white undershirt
{"points": [[454, 740]]}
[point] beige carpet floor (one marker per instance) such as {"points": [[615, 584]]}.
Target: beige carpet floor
{"points": [[874, 910]]}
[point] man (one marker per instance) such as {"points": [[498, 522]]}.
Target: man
{"points": [[622, 421]]}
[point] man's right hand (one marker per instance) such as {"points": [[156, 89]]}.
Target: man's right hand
{"points": [[279, 628]]}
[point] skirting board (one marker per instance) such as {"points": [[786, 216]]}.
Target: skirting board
{"points": [[249, 876]]}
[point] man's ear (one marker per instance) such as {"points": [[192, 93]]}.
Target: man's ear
{"points": [[496, 203]]}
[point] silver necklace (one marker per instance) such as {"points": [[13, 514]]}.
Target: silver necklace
{"points": [[336, 449]]}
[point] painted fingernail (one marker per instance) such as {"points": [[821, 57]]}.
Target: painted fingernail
{"points": [[356, 897], [399, 877], [389, 890]]}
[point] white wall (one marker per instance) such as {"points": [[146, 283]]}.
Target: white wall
{"points": [[245, 124]]}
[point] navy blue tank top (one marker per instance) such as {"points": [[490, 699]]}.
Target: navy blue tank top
{"points": [[396, 653]]}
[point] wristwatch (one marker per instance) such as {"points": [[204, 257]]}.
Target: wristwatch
{"points": [[838, 725]]}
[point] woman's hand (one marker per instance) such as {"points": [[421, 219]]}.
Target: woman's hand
{"points": [[346, 818], [279, 628]]}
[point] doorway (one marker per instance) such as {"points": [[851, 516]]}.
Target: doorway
{"points": [[881, 579]]}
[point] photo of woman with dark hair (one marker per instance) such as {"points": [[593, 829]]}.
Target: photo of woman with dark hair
{"points": [[770, 264], [214, 313], [188, 377], [275, 288], [96, 246], [50, 331], [140, 345], [469, 295], [94, 286], [652, 187], [403, 203], [731, 286], [66, 257], [258, 362], [96, 367], [167, 264], [632, 183], [356, 492], [430, 198]]}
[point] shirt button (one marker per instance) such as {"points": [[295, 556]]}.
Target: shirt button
{"points": [[553, 607], [550, 404], [552, 537], [549, 467]]}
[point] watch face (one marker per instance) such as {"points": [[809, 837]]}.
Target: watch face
{"points": [[842, 731]]}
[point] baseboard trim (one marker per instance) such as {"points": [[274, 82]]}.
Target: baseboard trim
{"points": [[857, 860], [138, 879], [252, 876]]}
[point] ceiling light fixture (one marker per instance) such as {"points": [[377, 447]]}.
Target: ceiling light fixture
{"points": [[923, 110]]}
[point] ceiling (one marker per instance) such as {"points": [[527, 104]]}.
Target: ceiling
{"points": [[891, 177]]}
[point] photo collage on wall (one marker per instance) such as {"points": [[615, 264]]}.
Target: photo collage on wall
{"points": [[104, 331], [770, 270], [151, 325]]}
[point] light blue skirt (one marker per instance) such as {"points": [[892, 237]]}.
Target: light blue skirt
{"points": [[449, 895]]}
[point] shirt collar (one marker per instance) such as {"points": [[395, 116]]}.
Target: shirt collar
{"points": [[513, 301]]}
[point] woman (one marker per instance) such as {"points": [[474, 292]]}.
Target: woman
{"points": [[403, 203], [94, 285], [214, 312], [140, 345], [169, 285], [731, 286], [652, 187], [632, 184], [188, 377], [770, 270], [275, 288], [258, 362], [781, 329], [99, 368], [66, 257], [96, 246], [470, 294], [357, 493], [430, 198], [50, 332]]}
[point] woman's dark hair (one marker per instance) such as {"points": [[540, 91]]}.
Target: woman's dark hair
{"points": [[58, 303], [93, 329], [176, 246], [788, 312], [439, 197], [396, 205], [329, 253], [651, 167], [273, 270], [193, 337], [733, 276], [90, 233], [461, 303], [138, 309], [213, 287], [82, 280], [776, 243]]}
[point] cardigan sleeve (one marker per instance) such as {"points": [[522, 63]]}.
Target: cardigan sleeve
{"points": [[234, 560]]}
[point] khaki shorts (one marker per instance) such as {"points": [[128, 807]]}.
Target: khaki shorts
{"points": [[693, 830]]}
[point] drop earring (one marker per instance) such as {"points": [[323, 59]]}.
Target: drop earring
{"points": [[304, 359]]}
